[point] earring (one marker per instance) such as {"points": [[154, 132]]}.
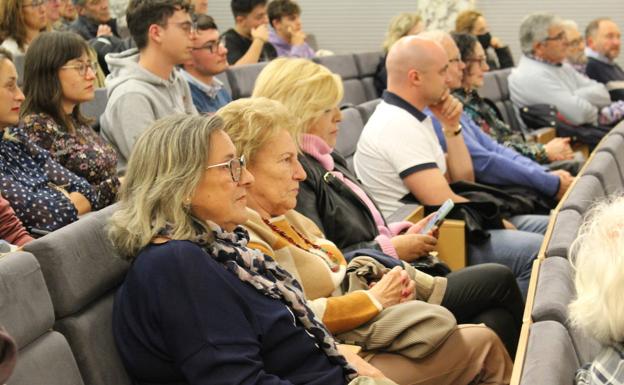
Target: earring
{"points": [[187, 204]]}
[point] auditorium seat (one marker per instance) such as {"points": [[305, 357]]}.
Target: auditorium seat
{"points": [[614, 144], [344, 65], [550, 357], [18, 60], [82, 272], [367, 63], [95, 108], [564, 232], [242, 79], [226, 83], [367, 108], [604, 167], [587, 190], [555, 290], [350, 129], [26, 312]]}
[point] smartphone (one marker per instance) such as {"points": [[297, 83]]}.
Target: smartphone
{"points": [[439, 216]]}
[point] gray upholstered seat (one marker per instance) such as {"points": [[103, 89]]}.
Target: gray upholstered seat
{"points": [[490, 89], [367, 63], [95, 108], [26, 312], [564, 232], [367, 109], [618, 130], [550, 357], [226, 82], [604, 167], [555, 290], [614, 144], [501, 77], [242, 79], [585, 192], [344, 65], [82, 272], [349, 133]]}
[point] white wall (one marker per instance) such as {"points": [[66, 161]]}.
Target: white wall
{"points": [[359, 25]]}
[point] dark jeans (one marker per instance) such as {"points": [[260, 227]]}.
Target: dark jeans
{"points": [[487, 293]]}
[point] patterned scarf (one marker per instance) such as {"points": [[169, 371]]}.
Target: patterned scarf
{"points": [[264, 274]]}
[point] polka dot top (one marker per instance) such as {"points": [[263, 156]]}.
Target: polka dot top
{"points": [[29, 178]]}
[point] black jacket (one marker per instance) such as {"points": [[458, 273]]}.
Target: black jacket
{"points": [[342, 216]]}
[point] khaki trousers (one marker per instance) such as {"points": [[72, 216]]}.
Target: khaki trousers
{"points": [[472, 354]]}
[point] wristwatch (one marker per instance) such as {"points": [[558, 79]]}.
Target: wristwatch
{"points": [[453, 133]]}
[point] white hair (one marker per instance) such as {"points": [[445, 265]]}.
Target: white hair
{"points": [[597, 255], [534, 29], [569, 24]]}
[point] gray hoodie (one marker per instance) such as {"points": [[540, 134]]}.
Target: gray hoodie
{"points": [[137, 98]]}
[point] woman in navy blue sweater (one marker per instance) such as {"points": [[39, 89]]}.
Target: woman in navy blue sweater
{"points": [[198, 306]]}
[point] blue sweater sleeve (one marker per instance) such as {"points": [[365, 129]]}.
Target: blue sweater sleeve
{"points": [[496, 164]]}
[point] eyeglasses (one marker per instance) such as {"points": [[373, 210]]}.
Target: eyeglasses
{"points": [[559, 36], [576, 42], [455, 60], [83, 68], [481, 60], [213, 45], [35, 3], [186, 26], [235, 165]]}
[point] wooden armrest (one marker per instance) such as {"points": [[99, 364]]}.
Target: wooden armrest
{"points": [[544, 135], [582, 148], [452, 244], [350, 348]]}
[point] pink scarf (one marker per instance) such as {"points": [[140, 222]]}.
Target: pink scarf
{"points": [[321, 152]]}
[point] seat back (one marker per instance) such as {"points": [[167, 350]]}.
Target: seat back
{"points": [[614, 144], [585, 192], [550, 357], [564, 232], [95, 108], [18, 60], [604, 167], [243, 78], [82, 271], [26, 312], [367, 63], [555, 290], [349, 133], [226, 82], [490, 89], [344, 65], [366, 109]]}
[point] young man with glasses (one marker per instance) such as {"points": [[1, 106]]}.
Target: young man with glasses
{"points": [[144, 84], [209, 58]]}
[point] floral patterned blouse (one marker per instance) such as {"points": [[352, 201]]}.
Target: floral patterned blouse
{"points": [[84, 153], [29, 180], [487, 118]]}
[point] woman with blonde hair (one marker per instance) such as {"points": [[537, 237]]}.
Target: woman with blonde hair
{"points": [[403, 24], [398, 321], [20, 22], [339, 205], [473, 22], [198, 306], [598, 309]]}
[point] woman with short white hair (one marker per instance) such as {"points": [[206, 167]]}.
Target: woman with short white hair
{"points": [[599, 307]]}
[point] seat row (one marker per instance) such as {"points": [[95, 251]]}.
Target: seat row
{"points": [[551, 349]]}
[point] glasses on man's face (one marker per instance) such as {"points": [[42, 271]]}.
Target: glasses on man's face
{"points": [[455, 60], [35, 3], [235, 165], [186, 26], [213, 45], [558, 37], [82, 67]]}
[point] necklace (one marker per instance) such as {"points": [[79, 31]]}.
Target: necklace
{"points": [[333, 264]]}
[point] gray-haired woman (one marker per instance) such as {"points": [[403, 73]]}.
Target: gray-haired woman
{"points": [[198, 306]]}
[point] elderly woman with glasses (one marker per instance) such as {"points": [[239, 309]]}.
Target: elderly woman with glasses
{"points": [[486, 115], [58, 76], [260, 129], [198, 305]]}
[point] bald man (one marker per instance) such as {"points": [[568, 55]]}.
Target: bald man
{"points": [[399, 153]]}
